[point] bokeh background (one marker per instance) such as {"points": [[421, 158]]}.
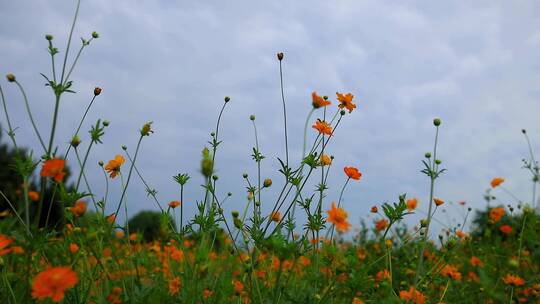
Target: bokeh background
{"points": [[473, 64]]}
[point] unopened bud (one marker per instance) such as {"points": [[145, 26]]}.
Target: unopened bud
{"points": [[124, 147], [49, 37], [251, 117], [235, 214], [280, 56], [106, 123], [95, 35], [97, 91], [267, 183], [438, 161], [227, 99], [427, 155], [10, 77], [75, 141], [146, 129], [437, 122], [245, 175], [100, 163]]}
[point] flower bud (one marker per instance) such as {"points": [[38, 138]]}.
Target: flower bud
{"points": [[10, 77], [342, 112], [146, 129], [49, 37], [427, 155], [438, 161], [215, 177], [267, 183], [423, 223], [124, 147], [229, 194], [100, 163], [75, 141], [437, 122], [280, 56], [251, 117], [227, 99], [235, 214], [95, 35], [106, 123], [245, 175], [97, 91]]}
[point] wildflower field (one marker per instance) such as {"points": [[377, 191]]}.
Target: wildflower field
{"points": [[61, 242]]}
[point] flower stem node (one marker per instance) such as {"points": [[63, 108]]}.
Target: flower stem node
{"points": [[437, 122], [10, 77]]}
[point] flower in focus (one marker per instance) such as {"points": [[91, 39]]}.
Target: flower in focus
{"points": [[338, 217], [496, 182], [352, 173], [438, 201], [78, 209], [346, 101], [513, 280], [318, 101], [53, 282], [323, 127], [113, 166], [54, 168], [174, 204], [412, 203], [33, 196], [496, 214]]}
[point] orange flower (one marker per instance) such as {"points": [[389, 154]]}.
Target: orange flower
{"points": [[338, 216], [323, 127], [113, 166], [174, 286], [382, 275], [33, 196], [352, 172], [318, 101], [412, 295], [496, 214], [496, 182], [374, 209], [412, 203], [451, 271], [207, 293], [111, 218], [356, 300], [174, 204], [476, 262], [73, 248], [276, 216], [514, 280], [53, 282], [438, 201], [460, 234], [326, 160], [346, 101], [238, 286], [506, 229], [380, 225], [54, 168], [4, 243], [78, 209]]}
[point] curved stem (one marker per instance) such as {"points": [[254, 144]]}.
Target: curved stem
{"points": [[69, 40], [11, 132], [30, 116]]}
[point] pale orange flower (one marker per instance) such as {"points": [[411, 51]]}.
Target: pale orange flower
{"points": [[506, 229], [412, 295], [326, 160], [338, 216], [53, 282], [33, 196], [276, 216], [346, 101], [495, 214], [78, 209], [113, 166], [438, 201], [318, 101], [381, 224], [496, 182], [514, 280], [352, 173], [174, 204], [54, 168], [412, 203], [4, 243], [323, 127]]}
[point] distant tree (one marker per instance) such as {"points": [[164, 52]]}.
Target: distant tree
{"points": [[152, 225]]}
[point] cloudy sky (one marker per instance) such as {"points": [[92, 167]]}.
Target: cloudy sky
{"points": [[475, 65]]}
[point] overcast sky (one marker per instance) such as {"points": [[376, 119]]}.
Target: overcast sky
{"points": [[473, 64]]}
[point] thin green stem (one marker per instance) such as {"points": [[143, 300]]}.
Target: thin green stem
{"points": [[30, 115], [69, 40], [284, 114]]}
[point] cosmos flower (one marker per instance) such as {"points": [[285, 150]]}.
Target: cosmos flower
{"points": [[352, 173], [53, 282], [54, 168], [346, 101], [323, 127], [113, 166], [338, 217]]}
